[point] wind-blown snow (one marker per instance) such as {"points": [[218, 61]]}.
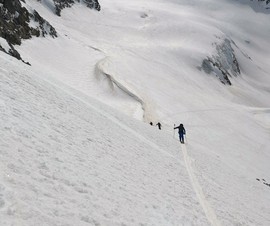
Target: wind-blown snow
{"points": [[68, 159]]}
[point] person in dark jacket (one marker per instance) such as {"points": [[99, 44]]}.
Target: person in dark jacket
{"points": [[181, 131], [159, 125]]}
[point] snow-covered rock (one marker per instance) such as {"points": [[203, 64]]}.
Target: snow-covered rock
{"points": [[19, 22], [15, 25], [59, 5], [224, 64]]}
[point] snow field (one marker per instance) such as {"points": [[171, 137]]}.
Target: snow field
{"points": [[65, 164]]}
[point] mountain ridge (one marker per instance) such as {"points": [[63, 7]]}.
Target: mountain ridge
{"points": [[18, 22]]}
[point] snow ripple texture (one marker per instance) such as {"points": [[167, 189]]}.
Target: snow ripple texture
{"points": [[63, 163]]}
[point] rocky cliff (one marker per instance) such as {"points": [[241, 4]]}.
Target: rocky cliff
{"points": [[15, 22], [223, 64], [61, 4]]}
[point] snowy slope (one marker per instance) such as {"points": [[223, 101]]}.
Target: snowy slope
{"points": [[163, 43], [142, 58], [66, 161]]}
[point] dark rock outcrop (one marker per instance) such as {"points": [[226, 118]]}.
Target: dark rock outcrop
{"points": [[93, 4], [14, 25], [266, 1], [14, 22], [44, 27], [265, 4], [61, 4], [223, 64], [15, 19]]}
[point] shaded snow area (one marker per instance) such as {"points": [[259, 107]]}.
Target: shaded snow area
{"points": [[76, 147]]}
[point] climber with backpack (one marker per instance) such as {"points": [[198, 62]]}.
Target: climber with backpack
{"points": [[181, 132]]}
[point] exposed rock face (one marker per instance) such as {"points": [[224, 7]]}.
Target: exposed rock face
{"points": [[93, 4], [61, 4], [265, 3], [14, 25], [224, 64], [44, 27], [15, 21]]}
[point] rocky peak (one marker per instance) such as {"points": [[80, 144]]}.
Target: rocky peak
{"points": [[61, 4], [14, 25], [15, 22]]}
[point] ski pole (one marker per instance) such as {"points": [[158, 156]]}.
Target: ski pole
{"points": [[173, 130]]}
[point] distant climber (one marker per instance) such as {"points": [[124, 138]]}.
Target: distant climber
{"points": [[159, 125], [151, 123], [181, 132]]}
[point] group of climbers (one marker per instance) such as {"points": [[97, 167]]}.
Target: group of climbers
{"points": [[181, 131], [158, 124]]}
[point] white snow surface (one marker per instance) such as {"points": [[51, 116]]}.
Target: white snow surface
{"points": [[4, 44], [76, 147]]}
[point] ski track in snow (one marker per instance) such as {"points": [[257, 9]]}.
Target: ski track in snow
{"points": [[48, 175], [209, 212]]}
